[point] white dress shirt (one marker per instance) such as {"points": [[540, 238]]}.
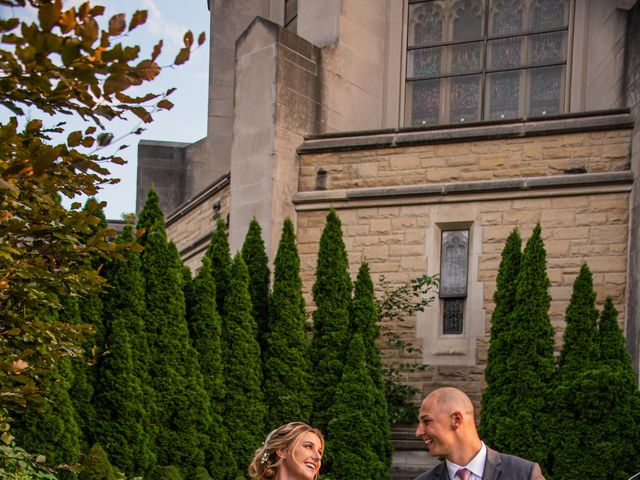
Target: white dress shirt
{"points": [[475, 466]]}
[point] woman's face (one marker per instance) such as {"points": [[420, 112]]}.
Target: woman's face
{"points": [[303, 461]]}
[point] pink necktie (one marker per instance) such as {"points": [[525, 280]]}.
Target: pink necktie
{"points": [[463, 474]]}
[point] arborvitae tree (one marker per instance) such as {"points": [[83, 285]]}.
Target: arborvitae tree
{"points": [[571, 438], [580, 342], [625, 416], [286, 359], [52, 431], [523, 429], [244, 409], [151, 217], [87, 310], [364, 317], [220, 255], [354, 436], [332, 297], [205, 328], [257, 261], [602, 404], [500, 346], [201, 473], [182, 416], [122, 392], [96, 466], [612, 345]]}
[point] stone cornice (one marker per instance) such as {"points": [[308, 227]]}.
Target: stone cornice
{"points": [[560, 124], [525, 187], [203, 196]]}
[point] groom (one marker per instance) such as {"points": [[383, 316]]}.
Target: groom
{"points": [[446, 425]]}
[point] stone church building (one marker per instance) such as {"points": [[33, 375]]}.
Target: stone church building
{"points": [[433, 127]]}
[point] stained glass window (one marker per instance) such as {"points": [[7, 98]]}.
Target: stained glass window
{"points": [[454, 271], [471, 60]]}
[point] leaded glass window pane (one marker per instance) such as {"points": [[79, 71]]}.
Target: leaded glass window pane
{"points": [[468, 23], [464, 99], [546, 97], [452, 316], [503, 93], [505, 52], [507, 17], [466, 58], [548, 48], [548, 14], [425, 62], [425, 96], [453, 263], [426, 23]]}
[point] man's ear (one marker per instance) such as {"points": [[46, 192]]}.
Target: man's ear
{"points": [[456, 419]]}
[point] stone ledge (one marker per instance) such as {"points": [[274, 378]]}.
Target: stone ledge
{"points": [[203, 196], [464, 188], [520, 128]]}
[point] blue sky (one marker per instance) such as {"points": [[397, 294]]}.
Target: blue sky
{"points": [[187, 121]]}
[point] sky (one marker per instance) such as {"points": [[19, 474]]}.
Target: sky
{"points": [[187, 121]]}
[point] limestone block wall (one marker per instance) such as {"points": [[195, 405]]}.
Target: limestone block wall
{"points": [[474, 161], [190, 227], [394, 202]]}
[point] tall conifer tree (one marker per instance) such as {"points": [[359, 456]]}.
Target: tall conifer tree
{"points": [[124, 399], [286, 359], [354, 435], [182, 416], [571, 438], [600, 427], [220, 255], [580, 341], [255, 257], [502, 337], [52, 431], [524, 428], [364, 318], [151, 217], [205, 327], [332, 297], [244, 409]]}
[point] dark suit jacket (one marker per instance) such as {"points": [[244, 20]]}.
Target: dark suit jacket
{"points": [[499, 466]]}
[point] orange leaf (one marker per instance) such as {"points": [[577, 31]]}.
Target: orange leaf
{"points": [[74, 138], [34, 125], [201, 38], [182, 56], [116, 83], [48, 14], [67, 20], [117, 24], [147, 69], [142, 114], [188, 39], [138, 18], [165, 104], [156, 50]]}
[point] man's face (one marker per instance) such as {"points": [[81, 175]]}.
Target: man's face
{"points": [[436, 428]]}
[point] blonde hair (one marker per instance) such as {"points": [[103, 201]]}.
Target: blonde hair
{"points": [[266, 461]]}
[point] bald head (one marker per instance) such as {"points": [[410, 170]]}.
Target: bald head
{"points": [[451, 399]]}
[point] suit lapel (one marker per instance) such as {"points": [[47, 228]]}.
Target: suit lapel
{"points": [[491, 466]]}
